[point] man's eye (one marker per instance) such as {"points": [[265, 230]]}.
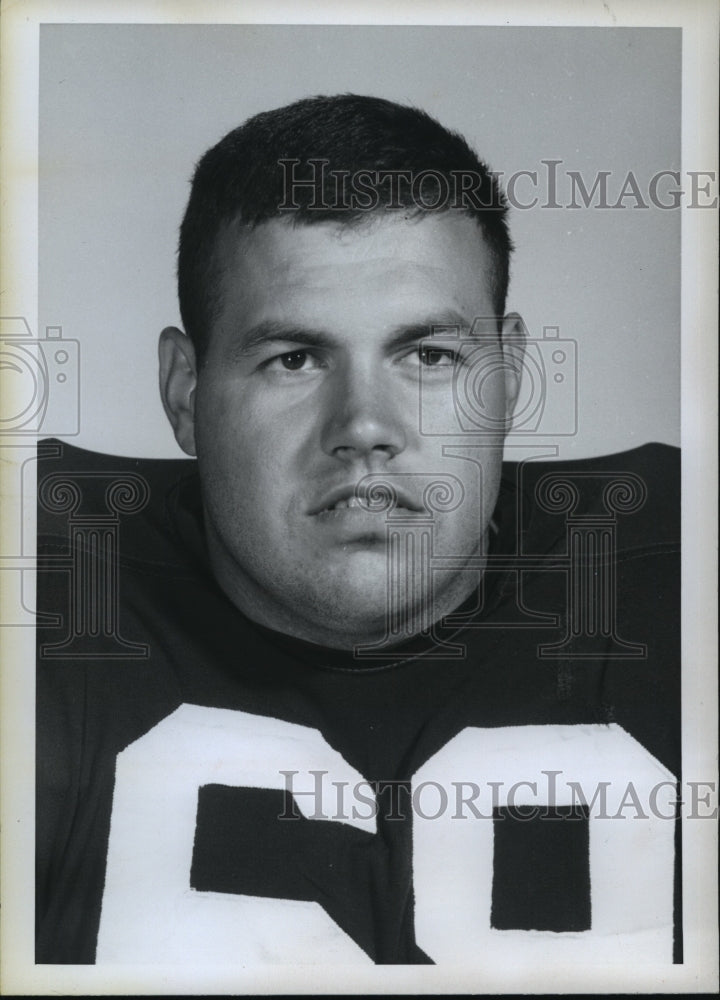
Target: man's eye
{"points": [[437, 357], [293, 361]]}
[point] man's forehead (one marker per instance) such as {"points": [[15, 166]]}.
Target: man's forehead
{"points": [[286, 239], [430, 261]]}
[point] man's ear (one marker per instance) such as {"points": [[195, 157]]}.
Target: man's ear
{"points": [[178, 379], [514, 337]]}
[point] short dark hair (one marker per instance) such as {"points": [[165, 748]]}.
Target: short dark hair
{"points": [[243, 180]]}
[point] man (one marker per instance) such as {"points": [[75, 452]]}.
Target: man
{"points": [[341, 694]]}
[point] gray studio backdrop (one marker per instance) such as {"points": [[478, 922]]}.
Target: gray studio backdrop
{"points": [[126, 110]]}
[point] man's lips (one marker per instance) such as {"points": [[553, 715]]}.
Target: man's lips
{"points": [[370, 501]]}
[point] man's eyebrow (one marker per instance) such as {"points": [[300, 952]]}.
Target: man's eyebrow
{"points": [[444, 324], [275, 331]]}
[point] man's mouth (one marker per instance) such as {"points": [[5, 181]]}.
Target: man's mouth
{"points": [[347, 498], [351, 503]]}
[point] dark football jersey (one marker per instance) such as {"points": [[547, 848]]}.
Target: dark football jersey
{"points": [[500, 787]]}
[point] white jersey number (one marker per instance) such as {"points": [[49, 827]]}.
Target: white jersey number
{"points": [[151, 914]]}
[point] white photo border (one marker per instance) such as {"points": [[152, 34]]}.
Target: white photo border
{"points": [[699, 22]]}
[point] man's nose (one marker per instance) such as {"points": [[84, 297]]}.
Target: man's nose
{"points": [[363, 417]]}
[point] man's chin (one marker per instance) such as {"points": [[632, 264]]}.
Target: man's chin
{"points": [[354, 608]]}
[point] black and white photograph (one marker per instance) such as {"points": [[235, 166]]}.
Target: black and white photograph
{"points": [[359, 579]]}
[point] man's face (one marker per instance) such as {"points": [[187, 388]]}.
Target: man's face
{"points": [[313, 379]]}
